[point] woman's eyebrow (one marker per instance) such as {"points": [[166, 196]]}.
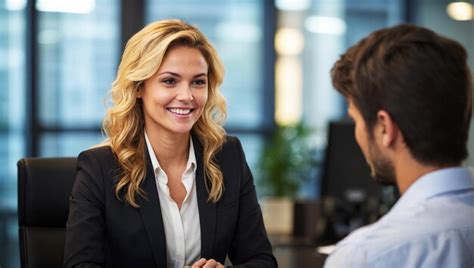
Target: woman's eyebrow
{"points": [[202, 74], [171, 73]]}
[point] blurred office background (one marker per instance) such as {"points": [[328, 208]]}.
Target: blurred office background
{"points": [[58, 59]]}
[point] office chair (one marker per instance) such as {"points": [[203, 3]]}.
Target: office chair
{"points": [[44, 187]]}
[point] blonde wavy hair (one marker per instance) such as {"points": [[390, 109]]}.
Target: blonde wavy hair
{"points": [[124, 121]]}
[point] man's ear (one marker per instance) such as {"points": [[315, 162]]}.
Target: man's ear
{"points": [[389, 128]]}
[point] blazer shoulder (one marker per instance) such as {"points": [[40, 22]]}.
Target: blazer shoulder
{"points": [[98, 158], [99, 153], [98, 166], [231, 150], [231, 142]]}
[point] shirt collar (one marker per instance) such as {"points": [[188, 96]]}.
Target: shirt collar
{"points": [[437, 182], [190, 165]]}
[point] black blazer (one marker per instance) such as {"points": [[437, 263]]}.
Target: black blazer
{"points": [[103, 231]]}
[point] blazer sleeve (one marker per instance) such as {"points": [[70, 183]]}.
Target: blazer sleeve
{"points": [[250, 246], [85, 226]]}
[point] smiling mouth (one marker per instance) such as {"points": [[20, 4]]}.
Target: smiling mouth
{"points": [[178, 111]]}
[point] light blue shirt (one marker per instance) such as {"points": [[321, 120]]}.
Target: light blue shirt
{"points": [[431, 225]]}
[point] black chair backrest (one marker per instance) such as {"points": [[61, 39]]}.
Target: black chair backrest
{"points": [[44, 187]]}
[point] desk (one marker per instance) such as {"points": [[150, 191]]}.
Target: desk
{"points": [[295, 257], [291, 251]]}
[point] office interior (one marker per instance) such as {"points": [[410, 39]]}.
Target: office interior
{"points": [[58, 59]]}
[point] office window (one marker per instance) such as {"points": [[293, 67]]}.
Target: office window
{"points": [[68, 143], [310, 36], [12, 120], [12, 90], [309, 39], [253, 145], [78, 50]]}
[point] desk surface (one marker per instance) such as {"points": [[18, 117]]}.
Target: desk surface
{"points": [[289, 257], [293, 251]]}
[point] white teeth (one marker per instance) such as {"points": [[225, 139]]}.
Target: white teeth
{"points": [[180, 111]]}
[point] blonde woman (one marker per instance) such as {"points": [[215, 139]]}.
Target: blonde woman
{"points": [[168, 188]]}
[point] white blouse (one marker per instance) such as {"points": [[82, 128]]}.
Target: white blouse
{"points": [[182, 227]]}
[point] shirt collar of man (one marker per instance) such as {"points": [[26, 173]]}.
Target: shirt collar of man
{"points": [[436, 183]]}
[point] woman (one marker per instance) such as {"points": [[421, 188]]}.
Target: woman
{"points": [[168, 188]]}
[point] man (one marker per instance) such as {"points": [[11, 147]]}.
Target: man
{"points": [[409, 93]]}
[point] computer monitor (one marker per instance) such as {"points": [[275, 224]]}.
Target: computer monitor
{"points": [[346, 174], [351, 197]]}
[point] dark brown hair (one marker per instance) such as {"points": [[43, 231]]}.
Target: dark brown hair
{"points": [[421, 79]]}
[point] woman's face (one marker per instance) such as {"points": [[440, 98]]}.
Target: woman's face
{"points": [[175, 96]]}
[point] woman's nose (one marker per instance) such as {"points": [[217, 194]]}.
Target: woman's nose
{"points": [[185, 93]]}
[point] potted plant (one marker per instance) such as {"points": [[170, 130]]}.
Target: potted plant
{"points": [[284, 166]]}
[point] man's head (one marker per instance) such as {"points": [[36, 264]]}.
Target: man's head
{"points": [[417, 78]]}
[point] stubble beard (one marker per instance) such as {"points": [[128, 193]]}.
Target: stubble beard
{"points": [[382, 168]]}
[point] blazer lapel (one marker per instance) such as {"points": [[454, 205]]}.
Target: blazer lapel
{"points": [[207, 210], [150, 211]]}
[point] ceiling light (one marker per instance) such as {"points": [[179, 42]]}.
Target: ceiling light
{"points": [[325, 25], [460, 11]]}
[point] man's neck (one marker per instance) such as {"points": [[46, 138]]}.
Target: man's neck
{"points": [[408, 170]]}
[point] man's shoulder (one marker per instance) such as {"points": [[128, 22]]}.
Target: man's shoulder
{"points": [[407, 235], [357, 247], [450, 248]]}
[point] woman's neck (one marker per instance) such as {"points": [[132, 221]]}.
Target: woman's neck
{"points": [[170, 150]]}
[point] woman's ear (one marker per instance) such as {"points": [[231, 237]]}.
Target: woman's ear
{"points": [[390, 130], [139, 89]]}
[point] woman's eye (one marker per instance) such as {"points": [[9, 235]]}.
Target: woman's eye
{"points": [[199, 82], [169, 81]]}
